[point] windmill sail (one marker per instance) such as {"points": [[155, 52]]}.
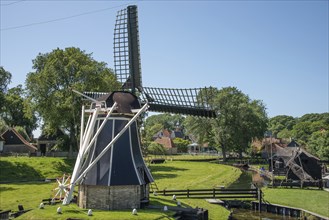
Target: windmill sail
{"points": [[179, 101], [128, 71], [126, 49]]}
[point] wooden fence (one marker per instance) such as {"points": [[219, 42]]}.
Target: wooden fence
{"points": [[214, 193]]}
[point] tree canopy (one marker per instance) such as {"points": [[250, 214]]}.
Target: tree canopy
{"points": [[18, 110], [5, 79], [239, 120], [50, 84], [310, 131]]}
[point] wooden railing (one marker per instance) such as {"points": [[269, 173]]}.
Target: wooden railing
{"points": [[213, 193]]}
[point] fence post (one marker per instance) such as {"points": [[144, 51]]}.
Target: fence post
{"points": [[213, 193], [259, 192], [188, 193], [164, 192]]}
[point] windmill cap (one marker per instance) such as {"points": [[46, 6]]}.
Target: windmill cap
{"points": [[126, 101]]}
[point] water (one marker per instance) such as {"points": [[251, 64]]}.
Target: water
{"points": [[249, 178], [245, 181], [244, 214]]}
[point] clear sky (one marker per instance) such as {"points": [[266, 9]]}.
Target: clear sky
{"points": [[274, 51]]}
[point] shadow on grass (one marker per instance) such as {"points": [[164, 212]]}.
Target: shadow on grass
{"points": [[159, 168], [11, 172], [3, 188], [158, 176], [66, 167], [161, 172]]}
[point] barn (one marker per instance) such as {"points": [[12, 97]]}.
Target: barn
{"points": [[16, 143]]}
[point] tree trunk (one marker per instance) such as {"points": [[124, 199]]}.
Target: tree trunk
{"points": [[240, 154], [73, 140], [224, 152]]}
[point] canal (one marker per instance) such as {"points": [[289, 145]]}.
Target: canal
{"points": [[246, 180]]}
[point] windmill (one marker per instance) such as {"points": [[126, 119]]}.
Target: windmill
{"points": [[110, 170]]}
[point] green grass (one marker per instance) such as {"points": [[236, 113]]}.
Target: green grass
{"points": [[309, 199], [33, 168], [192, 175], [183, 157], [170, 175]]}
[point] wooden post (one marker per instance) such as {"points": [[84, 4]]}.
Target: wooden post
{"points": [[259, 199], [164, 192], [213, 193], [188, 193]]}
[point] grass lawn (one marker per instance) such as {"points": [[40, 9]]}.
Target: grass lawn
{"points": [[170, 175], [193, 175], [33, 168], [313, 200]]}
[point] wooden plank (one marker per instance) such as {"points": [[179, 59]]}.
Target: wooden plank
{"points": [[215, 201]]}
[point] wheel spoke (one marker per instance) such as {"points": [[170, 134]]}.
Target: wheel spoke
{"points": [[56, 194], [66, 180]]}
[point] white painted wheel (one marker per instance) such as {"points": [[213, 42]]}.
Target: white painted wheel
{"points": [[62, 188]]}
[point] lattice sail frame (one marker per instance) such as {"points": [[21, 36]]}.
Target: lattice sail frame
{"points": [[176, 101], [196, 101], [128, 71], [126, 49]]}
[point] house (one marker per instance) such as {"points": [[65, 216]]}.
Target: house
{"points": [[293, 143], [168, 144], [14, 142], [177, 134], [162, 133], [45, 143]]}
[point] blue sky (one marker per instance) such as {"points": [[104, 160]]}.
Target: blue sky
{"points": [[274, 51]]}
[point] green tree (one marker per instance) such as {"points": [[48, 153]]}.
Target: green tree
{"points": [[150, 131], [18, 110], [3, 126], [319, 144], [22, 132], [200, 129], [5, 79], [55, 74], [168, 121], [156, 123], [313, 117], [302, 131], [281, 122], [156, 149], [239, 120], [181, 144], [285, 133]]}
